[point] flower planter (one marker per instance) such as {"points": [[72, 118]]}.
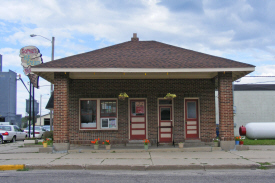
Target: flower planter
{"points": [[241, 142], [216, 144], [45, 144], [237, 142], [96, 146], [181, 145], [146, 147], [108, 147]]}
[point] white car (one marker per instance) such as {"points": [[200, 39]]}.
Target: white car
{"points": [[12, 133], [39, 131]]}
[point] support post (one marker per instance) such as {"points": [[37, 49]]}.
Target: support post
{"points": [[30, 109]]}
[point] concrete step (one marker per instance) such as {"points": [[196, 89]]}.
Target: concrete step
{"points": [[136, 143], [194, 143]]}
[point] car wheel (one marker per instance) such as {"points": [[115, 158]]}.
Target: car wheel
{"points": [[13, 139], [1, 140]]}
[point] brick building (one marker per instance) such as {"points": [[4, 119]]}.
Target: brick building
{"points": [[86, 89]]}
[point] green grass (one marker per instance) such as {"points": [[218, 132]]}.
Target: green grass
{"points": [[265, 163], [25, 169], [248, 141]]}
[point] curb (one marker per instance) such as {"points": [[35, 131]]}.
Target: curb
{"points": [[12, 167], [139, 167]]}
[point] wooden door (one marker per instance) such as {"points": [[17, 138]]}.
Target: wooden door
{"points": [[191, 119], [165, 124], [137, 119]]}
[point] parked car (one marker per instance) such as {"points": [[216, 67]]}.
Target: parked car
{"points": [[12, 133], [38, 131], [47, 127], [1, 139]]}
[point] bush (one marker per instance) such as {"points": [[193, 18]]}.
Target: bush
{"points": [[48, 134]]}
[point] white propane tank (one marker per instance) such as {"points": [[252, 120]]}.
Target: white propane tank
{"points": [[260, 130]]}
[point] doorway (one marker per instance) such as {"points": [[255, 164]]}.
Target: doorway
{"points": [[138, 119], [191, 119]]}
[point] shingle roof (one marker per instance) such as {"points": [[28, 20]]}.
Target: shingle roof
{"points": [[143, 54]]}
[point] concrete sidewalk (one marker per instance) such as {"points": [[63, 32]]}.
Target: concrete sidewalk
{"points": [[137, 159]]}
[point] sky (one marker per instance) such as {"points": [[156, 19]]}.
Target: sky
{"points": [[241, 30]]}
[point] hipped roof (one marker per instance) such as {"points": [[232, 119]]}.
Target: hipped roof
{"points": [[142, 56]]}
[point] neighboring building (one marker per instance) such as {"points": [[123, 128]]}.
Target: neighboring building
{"points": [[8, 92], [86, 104], [254, 103], [45, 120]]}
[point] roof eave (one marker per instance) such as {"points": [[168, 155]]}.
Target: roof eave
{"points": [[48, 73]]}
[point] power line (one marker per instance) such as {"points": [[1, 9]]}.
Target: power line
{"points": [[261, 76]]}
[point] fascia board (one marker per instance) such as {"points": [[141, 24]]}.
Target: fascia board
{"points": [[138, 70]]}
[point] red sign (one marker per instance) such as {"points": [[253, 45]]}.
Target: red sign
{"points": [[139, 107]]}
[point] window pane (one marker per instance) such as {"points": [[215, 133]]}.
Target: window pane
{"points": [[88, 113], [108, 108], [191, 110], [165, 114], [137, 108]]}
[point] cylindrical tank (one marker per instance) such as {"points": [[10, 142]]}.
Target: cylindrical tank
{"points": [[242, 131], [260, 130]]}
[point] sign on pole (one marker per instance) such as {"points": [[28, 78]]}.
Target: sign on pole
{"points": [[30, 56]]}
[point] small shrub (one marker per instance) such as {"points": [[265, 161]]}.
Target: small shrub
{"points": [[48, 135]]}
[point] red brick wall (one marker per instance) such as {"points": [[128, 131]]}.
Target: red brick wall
{"points": [[226, 124], [150, 89], [61, 96]]}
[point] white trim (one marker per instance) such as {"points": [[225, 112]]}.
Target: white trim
{"points": [[141, 70]]}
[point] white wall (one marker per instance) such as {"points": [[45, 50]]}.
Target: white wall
{"points": [[253, 106]]}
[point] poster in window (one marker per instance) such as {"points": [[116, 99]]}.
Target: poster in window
{"points": [[139, 107], [112, 123], [104, 123]]}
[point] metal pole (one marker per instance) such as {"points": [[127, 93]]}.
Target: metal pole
{"points": [[40, 107], [33, 120], [30, 108], [51, 111]]}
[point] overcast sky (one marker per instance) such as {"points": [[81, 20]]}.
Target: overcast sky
{"points": [[242, 30]]}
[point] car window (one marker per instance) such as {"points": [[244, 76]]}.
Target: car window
{"points": [[16, 128], [5, 128]]}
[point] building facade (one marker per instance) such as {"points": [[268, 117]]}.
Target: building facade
{"points": [[87, 106], [8, 88], [254, 103]]}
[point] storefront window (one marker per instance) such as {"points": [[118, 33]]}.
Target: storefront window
{"points": [[108, 108], [88, 114], [108, 113], [98, 114]]}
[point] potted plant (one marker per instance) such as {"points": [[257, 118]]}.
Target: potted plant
{"points": [[122, 96], [107, 144], [241, 141], [237, 140], [181, 144], [46, 142], [216, 141], [95, 142], [170, 96], [146, 143]]}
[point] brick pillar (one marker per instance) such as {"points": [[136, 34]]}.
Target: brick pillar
{"points": [[226, 122], [61, 96]]}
